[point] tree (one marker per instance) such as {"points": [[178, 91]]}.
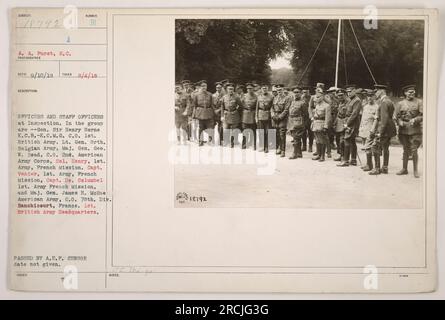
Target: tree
{"points": [[236, 49], [241, 50]]}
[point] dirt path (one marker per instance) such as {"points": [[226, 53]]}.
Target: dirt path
{"points": [[300, 183]]}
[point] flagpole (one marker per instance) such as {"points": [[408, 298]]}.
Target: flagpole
{"points": [[338, 53]]}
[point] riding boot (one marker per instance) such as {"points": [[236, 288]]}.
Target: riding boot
{"points": [[299, 151], [415, 164], [278, 143], [368, 166], [311, 140], [404, 163], [304, 140], [376, 170], [385, 161], [353, 150], [243, 144], [346, 153], [294, 154], [283, 145], [317, 155], [322, 152]]}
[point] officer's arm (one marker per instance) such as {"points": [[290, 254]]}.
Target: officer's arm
{"points": [[305, 110], [328, 117], [396, 117], [256, 109], [419, 117], [355, 113], [285, 112], [310, 109], [239, 103], [383, 112], [195, 104], [216, 105], [376, 124], [221, 102], [311, 102], [189, 106]]}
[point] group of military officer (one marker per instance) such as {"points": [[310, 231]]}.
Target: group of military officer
{"points": [[334, 118]]}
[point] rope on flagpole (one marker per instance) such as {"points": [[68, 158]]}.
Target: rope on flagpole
{"points": [[313, 55], [361, 51]]}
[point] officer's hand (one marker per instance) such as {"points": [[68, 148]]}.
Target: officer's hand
{"points": [[412, 122], [184, 113]]}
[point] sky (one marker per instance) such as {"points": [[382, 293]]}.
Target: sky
{"points": [[281, 61]]}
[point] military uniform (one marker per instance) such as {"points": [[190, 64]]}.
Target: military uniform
{"points": [[262, 115], [249, 102], [216, 98], [339, 128], [203, 111], [296, 125], [230, 110], [408, 116], [352, 121], [322, 121], [279, 113], [181, 119], [193, 122], [386, 128], [311, 108], [368, 130], [307, 134], [188, 111], [331, 131]]}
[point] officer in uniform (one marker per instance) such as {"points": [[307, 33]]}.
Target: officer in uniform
{"points": [[295, 122], [287, 92], [240, 91], [224, 86], [311, 107], [408, 116], [262, 116], [256, 89], [274, 90], [180, 107], [321, 117], [279, 113], [187, 90], [386, 129], [193, 122], [334, 106], [248, 123], [368, 131], [352, 123], [203, 111], [217, 96], [339, 123], [308, 134], [231, 106]]}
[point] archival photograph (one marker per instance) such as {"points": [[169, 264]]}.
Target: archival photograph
{"points": [[299, 113]]}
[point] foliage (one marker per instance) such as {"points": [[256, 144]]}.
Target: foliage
{"points": [[241, 50]]}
